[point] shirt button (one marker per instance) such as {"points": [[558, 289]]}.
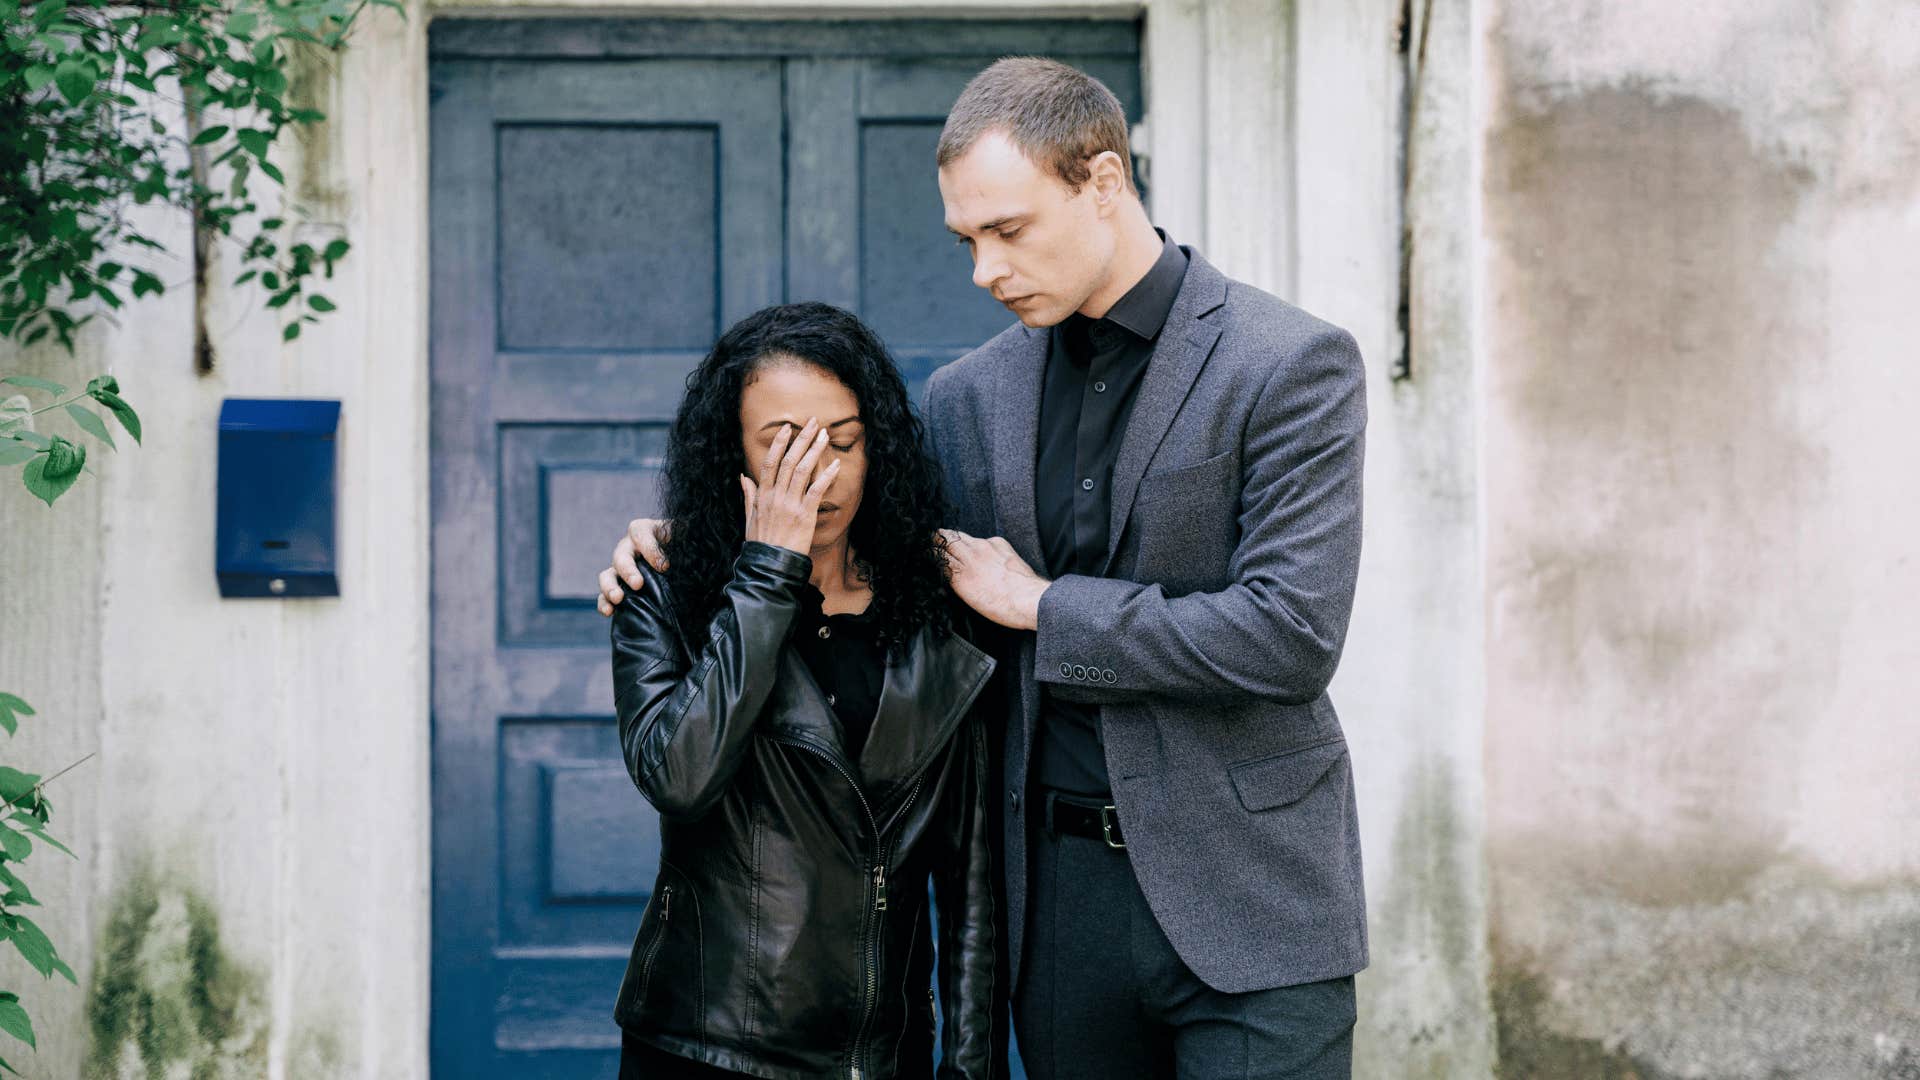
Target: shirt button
{"points": [[1014, 798], [832, 699], [826, 631], [1099, 388], [1087, 484]]}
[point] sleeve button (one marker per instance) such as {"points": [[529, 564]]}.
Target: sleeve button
{"points": [[1079, 671]]}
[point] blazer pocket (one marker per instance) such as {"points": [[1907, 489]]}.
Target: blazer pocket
{"points": [[1213, 478], [1270, 782]]}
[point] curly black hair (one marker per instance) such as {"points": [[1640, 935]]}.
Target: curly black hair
{"points": [[893, 531]]}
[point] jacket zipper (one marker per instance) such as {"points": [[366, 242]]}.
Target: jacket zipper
{"points": [[879, 880], [653, 950]]}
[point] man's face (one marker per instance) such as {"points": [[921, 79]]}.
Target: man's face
{"points": [[1038, 247]]}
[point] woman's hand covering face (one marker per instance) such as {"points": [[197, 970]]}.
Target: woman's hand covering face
{"points": [[783, 504]]}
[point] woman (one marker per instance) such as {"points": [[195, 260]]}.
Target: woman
{"points": [[794, 700]]}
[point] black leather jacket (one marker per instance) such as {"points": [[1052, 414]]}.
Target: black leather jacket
{"points": [[788, 934]]}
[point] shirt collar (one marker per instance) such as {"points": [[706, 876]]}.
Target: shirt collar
{"points": [[1145, 307]]}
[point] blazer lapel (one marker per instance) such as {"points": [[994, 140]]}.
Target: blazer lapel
{"points": [[1185, 343], [1017, 442]]}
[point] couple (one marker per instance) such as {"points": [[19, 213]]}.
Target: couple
{"points": [[1114, 756]]}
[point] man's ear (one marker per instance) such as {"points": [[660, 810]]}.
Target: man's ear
{"points": [[1109, 178]]}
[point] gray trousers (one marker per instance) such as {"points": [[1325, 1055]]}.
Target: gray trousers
{"points": [[1103, 995]]}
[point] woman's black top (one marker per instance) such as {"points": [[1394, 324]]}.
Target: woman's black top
{"points": [[846, 660]]}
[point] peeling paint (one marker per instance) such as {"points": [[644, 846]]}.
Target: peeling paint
{"points": [[167, 1001]]}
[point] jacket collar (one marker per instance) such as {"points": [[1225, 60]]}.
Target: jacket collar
{"points": [[923, 698]]}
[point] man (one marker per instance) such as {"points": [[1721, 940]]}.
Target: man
{"points": [[1167, 463]]}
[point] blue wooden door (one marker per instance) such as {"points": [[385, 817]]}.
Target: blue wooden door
{"points": [[606, 197]]}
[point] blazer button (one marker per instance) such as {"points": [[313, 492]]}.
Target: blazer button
{"points": [[826, 631]]}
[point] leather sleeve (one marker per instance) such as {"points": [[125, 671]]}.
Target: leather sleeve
{"points": [[973, 963], [686, 722]]}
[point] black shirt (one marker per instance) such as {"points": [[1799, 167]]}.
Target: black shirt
{"points": [[846, 660], [1094, 368]]}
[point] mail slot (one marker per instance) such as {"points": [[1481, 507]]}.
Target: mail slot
{"points": [[274, 526]]}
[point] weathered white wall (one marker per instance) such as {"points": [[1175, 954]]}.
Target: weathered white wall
{"points": [[259, 805], [1701, 256]]}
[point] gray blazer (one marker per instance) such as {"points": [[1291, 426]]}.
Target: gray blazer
{"points": [[1210, 637]]}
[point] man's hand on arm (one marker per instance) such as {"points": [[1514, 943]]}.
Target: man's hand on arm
{"points": [[645, 536], [993, 580]]}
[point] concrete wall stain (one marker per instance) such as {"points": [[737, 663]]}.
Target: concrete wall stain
{"points": [[1423, 991], [166, 999], [1661, 646]]}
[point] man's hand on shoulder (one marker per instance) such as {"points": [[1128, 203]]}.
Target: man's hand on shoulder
{"points": [[645, 536], [993, 580]]}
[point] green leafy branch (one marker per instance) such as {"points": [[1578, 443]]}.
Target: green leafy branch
{"points": [[53, 462], [27, 811], [77, 145]]}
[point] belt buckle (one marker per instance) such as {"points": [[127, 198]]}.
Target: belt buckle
{"points": [[1109, 822]]}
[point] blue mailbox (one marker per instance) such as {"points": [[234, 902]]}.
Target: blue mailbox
{"points": [[273, 533]]}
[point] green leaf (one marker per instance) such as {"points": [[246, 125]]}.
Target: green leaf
{"points": [[292, 331], [60, 966], [91, 423], [320, 303], [35, 384], [336, 249], [254, 141], [11, 1069], [121, 411], [17, 847], [46, 839], [38, 76], [14, 783], [32, 943], [43, 488], [241, 23], [32, 438], [64, 458], [13, 1021], [103, 382], [16, 886], [212, 134], [13, 452], [272, 170], [75, 78], [11, 709]]}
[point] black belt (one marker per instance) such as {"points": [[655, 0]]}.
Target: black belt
{"points": [[1077, 815]]}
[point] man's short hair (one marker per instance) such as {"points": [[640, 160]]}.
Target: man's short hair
{"points": [[1059, 116]]}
